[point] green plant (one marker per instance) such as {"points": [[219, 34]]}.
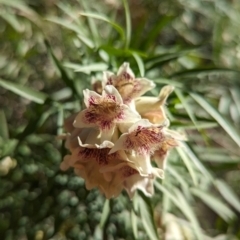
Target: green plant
{"points": [[47, 59]]}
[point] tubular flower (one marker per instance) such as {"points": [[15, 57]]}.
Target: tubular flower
{"points": [[104, 111], [115, 139], [127, 85], [152, 108], [142, 137]]}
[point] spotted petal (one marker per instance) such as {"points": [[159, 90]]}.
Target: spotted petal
{"points": [[128, 86], [143, 137]]}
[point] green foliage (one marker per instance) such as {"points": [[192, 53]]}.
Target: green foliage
{"points": [[50, 53]]}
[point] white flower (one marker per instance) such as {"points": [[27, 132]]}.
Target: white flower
{"points": [[152, 108], [115, 139], [87, 160], [104, 111], [172, 139], [125, 82], [125, 176], [142, 137]]}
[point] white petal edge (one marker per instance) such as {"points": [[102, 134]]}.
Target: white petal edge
{"points": [[119, 145], [88, 94], [79, 121], [125, 67], [111, 90]]}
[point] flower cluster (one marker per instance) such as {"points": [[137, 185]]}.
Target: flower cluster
{"points": [[115, 139]]}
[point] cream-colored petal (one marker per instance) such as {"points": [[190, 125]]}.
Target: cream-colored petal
{"points": [[116, 165], [90, 97], [152, 108], [68, 122], [72, 139], [160, 155], [71, 142], [125, 69], [174, 134], [107, 134], [158, 172], [65, 164], [143, 164], [120, 144], [81, 121], [140, 123], [90, 139], [96, 85], [160, 158], [129, 115], [135, 182], [165, 92], [93, 137], [108, 176], [105, 144], [107, 78], [142, 137], [144, 86], [111, 91], [124, 126]]}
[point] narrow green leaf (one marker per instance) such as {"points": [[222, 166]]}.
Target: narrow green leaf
{"points": [[217, 116], [217, 39], [23, 91], [25, 10], [105, 213], [98, 233], [62, 71], [169, 82], [87, 41], [217, 156], [13, 21], [135, 203], [4, 134], [117, 27], [189, 213], [188, 164], [228, 194], [75, 28], [95, 67], [8, 147], [62, 94], [146, 213], [128, 23], [215, 204], [155, 30], [177, 176], [121, 52], [139, 63], [37, 120], [60, 120], [224, 105], [188, 126], [196, 161], [186, 106], [137, 38], [202, 72], [134, 220], [67, 24], [179, 200], [236, 97], [92, 25], [67, 9], [161, 59]]}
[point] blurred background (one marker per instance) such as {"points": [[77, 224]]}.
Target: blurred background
{"points": [[50, 50]]}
